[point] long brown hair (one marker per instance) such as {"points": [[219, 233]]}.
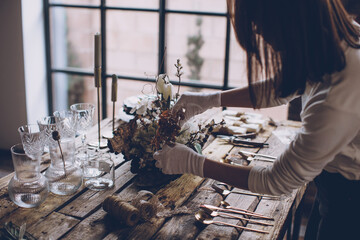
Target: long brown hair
{"points": [[291, 42]]}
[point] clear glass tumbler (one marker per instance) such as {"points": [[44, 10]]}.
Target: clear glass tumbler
{"points": [[28, 188], [105, 164]]}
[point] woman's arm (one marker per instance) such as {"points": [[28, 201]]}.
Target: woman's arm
{"points": [[240, 97], [236, 176]]}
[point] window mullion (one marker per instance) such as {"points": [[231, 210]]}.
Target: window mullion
{"points": [[48, 55], [103, 59], [227, 55], [162, 57]]}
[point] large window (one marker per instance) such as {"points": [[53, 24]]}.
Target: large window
{"points": [[140, 38]]}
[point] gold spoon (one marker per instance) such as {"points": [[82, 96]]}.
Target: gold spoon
{"points": [[226, 205], [221, 214], [235, 211], [204, 218]]}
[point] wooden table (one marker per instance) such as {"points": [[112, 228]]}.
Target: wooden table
{"points": [[80, 216]]}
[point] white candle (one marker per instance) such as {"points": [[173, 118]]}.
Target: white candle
{"points": [[97, 50]]}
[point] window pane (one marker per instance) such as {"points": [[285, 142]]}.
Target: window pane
{"points": [[72, 37], [199, 43], [197, 5], [132, 43], [70, 89], [237, 64], [77, 2], [133, 3]]}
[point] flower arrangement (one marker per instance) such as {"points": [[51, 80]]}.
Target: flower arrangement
{"points": [[155, 124]]}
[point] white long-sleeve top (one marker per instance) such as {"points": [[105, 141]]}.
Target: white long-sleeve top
{"points": [[329, 138]]}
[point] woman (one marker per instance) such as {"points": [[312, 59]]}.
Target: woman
{"points": [[302, 47]]}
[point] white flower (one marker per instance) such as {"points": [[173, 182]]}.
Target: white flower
{"points": [[141, 110], [164, 86], [161, 80], [168, 91], [144, 103]]}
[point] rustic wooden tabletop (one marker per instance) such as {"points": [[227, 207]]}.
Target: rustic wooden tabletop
{"points": [[80, 216]]}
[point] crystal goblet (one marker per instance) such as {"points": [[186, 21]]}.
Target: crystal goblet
{"points": [[84, 113], [33, 140], [48, 125], [69, 121]]}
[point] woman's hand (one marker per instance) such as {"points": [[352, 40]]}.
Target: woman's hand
{"points": [[195, 103], [179, 159]]}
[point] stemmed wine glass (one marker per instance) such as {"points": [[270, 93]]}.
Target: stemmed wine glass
{"points": [[84, 118], [48, 125], [68, 119], [33, 140], [84, 114]]}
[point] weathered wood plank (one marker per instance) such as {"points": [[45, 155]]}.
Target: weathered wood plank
{"points": [[24, 215], [276, 209], [99, 224], [186, 226], [172, 196], [89, 201], [32, 215], [220, 232], [6, 205], [53, 226]]}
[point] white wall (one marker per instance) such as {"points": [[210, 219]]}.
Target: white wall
{"points": [[12, 78], [34, 59], [20, 104]]}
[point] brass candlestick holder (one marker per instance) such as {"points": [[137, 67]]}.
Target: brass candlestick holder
{"points": [[114, 98], [97, 72], [109, 134]]}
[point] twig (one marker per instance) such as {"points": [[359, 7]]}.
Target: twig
{"points": [[56, 137], [178, 74]]}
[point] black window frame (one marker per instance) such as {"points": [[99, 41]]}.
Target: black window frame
{"points": [[162, 11]]}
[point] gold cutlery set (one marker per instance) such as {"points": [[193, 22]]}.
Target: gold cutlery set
{"points": [[207, 212]]}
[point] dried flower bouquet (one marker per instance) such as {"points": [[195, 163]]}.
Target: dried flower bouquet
{"points": [[155, 124]]}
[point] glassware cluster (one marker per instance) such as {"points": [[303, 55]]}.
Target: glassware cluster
{"points": [[68, 168]]}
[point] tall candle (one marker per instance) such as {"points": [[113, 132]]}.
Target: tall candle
{"points": [[114, 88], [97, 50]]}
